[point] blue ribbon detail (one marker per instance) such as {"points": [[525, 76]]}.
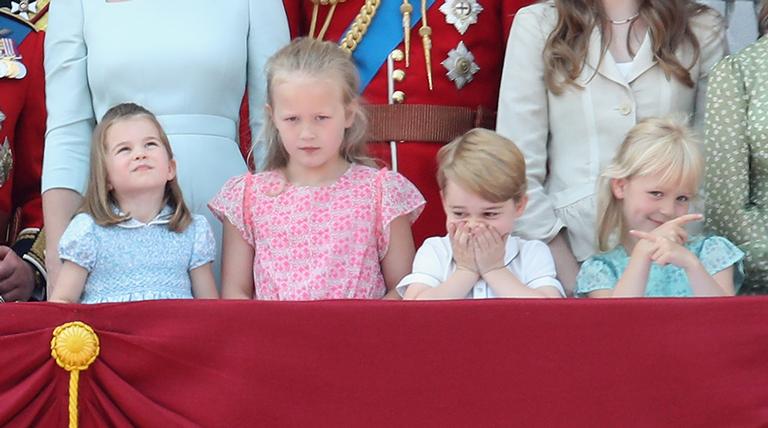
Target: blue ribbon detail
{"points": [[382, 37], [18, 30]]}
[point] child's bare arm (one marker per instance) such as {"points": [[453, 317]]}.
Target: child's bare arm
{"points": [[460, 282], [203, 282], [633, 281], [505, 284], [704, 284], [456, 286], [398, 260], [236, 265], [490, 248], [69, 283]]}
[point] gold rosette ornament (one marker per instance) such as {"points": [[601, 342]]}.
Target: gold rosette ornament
{"points": [[74, 347]]}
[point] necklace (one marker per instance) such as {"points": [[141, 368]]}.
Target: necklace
{"points": [[625, 20]]}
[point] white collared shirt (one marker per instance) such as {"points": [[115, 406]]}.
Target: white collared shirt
{"points": [[530, 261], [163, 217]]}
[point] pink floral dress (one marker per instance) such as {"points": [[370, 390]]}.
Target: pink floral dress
{"points": [[321, 242]]}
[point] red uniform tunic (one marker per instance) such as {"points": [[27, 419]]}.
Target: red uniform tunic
{"points": [[485, 40], [22, 132]]}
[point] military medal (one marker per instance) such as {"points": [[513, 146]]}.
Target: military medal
{"points": [[461, 65], [6, 161], [24, 8], [10, 66], [461, 13], [2, 118]]}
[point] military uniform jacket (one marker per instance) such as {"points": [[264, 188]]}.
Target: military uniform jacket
{"points": [[22, 130]]}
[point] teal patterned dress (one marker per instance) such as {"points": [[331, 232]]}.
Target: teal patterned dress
{"points": [[736, 147], [603, 271]]}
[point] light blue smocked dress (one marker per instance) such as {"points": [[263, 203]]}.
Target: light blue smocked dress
{"points": [[716, 253], [136, 261], [187, 61]]}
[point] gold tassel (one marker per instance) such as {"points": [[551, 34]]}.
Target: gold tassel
{"points": [[74, 347], [313, 23], [406, 10], [426, 32], [328, 18]]}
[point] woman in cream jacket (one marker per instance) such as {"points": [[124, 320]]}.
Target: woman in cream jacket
{"points": [[568, 105]]}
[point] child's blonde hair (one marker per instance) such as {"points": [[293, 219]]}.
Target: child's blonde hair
{"points": [[317, 58], [485, 163], [664, 146], [99, 199]]}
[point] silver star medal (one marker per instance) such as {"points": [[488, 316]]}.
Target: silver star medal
{"points": [[461, 13], [24, 8], [461, 65]]}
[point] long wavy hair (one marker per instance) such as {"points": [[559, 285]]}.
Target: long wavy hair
{"points": [[668, 23], [762, 18]]}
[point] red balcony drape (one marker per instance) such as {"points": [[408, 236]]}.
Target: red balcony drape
{"points": [[569, 363]]}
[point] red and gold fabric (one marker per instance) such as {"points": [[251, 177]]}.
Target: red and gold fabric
{"points": [[422, 119], [22, 131], [479, 363]]}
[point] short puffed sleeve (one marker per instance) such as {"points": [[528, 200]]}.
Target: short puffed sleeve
{"points": [[596, 273], [79, 243], [398, 196], [204, 246], [230, 205], [718, 253]]}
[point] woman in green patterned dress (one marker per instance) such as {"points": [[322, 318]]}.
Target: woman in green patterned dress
{"points": [[737, 155]]}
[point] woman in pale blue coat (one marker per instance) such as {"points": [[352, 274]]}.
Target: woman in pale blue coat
{"points": [[188, 61]]}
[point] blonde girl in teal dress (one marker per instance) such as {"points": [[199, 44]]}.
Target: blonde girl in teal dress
{"points": [[643, 206]]}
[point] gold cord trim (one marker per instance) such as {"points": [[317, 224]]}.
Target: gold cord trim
{"points": [[326, 21], [74, 347], [360, 25]]}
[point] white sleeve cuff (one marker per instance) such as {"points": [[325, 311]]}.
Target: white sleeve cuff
{"points": [[415, 278], [546, 281]]}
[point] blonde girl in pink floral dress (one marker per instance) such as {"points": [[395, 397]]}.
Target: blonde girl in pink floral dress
{"points": [[320, 222]]}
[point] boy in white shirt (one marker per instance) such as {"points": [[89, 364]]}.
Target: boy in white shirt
{"points": [[482, 184]]}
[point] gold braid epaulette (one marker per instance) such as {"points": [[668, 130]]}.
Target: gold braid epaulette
{"points": [[359, 25]]}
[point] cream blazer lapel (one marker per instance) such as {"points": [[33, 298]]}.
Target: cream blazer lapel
{"points": [[644, 59], [604, 66]]}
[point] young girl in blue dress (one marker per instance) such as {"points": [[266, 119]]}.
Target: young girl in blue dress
{"points": [[134, 238], [643, 201]]}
